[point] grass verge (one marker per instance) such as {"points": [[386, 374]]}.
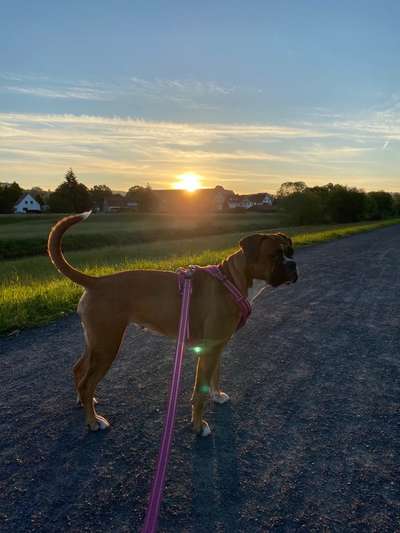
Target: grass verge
{"points": [[29, 302], [23, 237]]}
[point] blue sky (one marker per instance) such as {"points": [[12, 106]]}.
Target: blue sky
{"points": [[246, 94]]}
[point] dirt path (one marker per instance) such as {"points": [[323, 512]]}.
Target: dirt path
{"points": [[310, 441]]}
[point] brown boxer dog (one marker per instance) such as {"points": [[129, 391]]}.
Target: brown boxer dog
{"points": [[151, 299]]}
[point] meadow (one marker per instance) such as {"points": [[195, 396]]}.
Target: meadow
{"points": [[32, 292], [26, 235]]}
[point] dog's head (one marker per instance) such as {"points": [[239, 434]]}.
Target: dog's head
{"points": [[270, 257]]}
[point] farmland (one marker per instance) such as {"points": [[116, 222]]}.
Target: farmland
{"points": [[26, 235], [32, 292]]}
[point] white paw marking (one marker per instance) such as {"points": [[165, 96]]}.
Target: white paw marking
{"points": [[220, 397], [103, 423], [205, 431]]}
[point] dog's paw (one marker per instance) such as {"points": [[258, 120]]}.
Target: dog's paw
{"points": [[219, 397], [205, 429], [202, 431], [99, 424]]}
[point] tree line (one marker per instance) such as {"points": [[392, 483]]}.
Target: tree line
{"points": [[334, 203], [302, 204], [72, 196]]}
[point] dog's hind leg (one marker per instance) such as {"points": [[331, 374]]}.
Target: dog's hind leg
{"points": [[101, 350], [79, 369]]}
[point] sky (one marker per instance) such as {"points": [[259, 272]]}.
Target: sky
{"points": [[245, 94]]}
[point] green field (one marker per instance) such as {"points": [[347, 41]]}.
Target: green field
{"points": [[32, 292], [26, 235]]}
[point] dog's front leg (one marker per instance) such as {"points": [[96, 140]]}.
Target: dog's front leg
{"points": [[217, 395], [206, 367]]}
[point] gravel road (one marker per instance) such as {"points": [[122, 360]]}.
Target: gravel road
{"points": [[310, 441]]}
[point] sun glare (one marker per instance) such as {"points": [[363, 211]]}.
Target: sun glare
{"points": [[188, 181]]}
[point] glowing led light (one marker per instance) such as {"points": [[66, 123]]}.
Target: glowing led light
{"points": [[205, 389], [197, 349]]}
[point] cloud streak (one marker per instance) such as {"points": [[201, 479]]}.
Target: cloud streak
{"points": [[72, 93], [188, 94], [121, 150]]}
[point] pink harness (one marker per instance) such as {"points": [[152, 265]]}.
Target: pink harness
{"points": [[217, 273], [185, 289]]}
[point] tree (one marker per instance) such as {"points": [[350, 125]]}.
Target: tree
{"points": [[290, 187], [39, 198], [384, 204], [346, 204], [98, 195], [9, 195], [38, 194], [396, 203], [301, 204], [327, 203], [303, 207], [70, 196], [144, 196]]}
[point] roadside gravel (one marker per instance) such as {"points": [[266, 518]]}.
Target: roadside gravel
{"points": [[310, 441]]}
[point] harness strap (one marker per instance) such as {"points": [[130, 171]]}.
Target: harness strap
{"points": [[239, 298], [217, 273]]}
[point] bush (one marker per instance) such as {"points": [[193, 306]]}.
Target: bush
{"points": [[333, 203]]}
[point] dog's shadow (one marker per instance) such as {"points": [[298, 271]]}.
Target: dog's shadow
{"points": [[215, 476]]}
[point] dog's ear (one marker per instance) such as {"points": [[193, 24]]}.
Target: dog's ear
{"points": [[251, 246], [287, 243], [284, 237]]}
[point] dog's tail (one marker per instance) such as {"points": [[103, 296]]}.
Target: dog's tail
{"points": [[56, 255]]}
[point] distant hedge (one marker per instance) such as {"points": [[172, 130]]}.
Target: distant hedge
{"points": [[29, 246]]}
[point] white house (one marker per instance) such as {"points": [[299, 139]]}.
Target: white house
{"points": [[27, 204], [266, 200], [246, 201]]}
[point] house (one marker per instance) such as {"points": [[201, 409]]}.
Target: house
{"points": [[27, 204], [247, 201], [191, 202], [116, 203]]}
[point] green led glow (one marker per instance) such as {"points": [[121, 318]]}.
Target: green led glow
{"points": [[205, 389], [197, 349]]}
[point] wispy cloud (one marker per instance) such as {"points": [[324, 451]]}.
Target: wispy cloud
{"points": [[188, 94], [12, 76], [192, 87], [121, 150], [71, 93]]}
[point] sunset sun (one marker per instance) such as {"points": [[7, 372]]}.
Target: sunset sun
{"points": [[188, 182]]}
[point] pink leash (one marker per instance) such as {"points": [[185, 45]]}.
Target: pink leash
{"points": [[185, 287], [151, 519]]}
